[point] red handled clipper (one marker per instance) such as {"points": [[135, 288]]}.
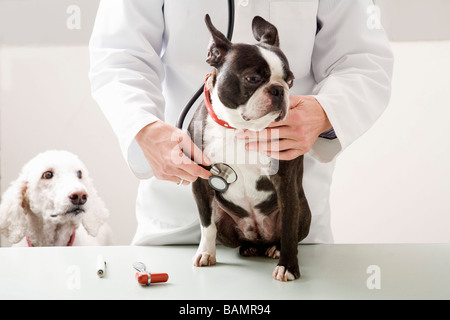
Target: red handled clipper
{"points": [[146, 278]]}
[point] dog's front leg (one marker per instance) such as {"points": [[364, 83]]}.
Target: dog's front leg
{"points": [[206, 252], [289, 204]]}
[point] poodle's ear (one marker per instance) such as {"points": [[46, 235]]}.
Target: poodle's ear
{"points": [[12, 213], [97, 214]]}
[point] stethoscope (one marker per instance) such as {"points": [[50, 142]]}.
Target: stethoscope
{"points": [[222, 174]]}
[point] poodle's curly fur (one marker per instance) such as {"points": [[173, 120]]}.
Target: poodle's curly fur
{"points": [[39, 204]]}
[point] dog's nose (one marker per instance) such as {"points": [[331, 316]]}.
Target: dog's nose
{"points": [[79, 197], [276, 91]]}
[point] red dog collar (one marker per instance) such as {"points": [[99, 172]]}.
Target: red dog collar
{"points": [[210, 109], [69, 244]]}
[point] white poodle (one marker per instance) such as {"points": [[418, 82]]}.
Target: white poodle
{"points": [[54, 203]]}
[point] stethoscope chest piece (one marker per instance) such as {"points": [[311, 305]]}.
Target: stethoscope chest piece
{"points": [[222, 176]]}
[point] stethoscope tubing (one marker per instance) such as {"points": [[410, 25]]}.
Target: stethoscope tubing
{"points": [[215, 178], [199, 92]]}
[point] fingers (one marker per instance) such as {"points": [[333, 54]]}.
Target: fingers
{"points": [[186, 172], [163, 147], [186, 151], [264, 135], [295, 101], [285, 149], [190, 169], [181, 167], [278, 143], [286, 154], [190, 148], [175, 179], [176, 165], [268, 146]]}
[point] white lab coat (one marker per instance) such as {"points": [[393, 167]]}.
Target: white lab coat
{"points": [[148, 58]]}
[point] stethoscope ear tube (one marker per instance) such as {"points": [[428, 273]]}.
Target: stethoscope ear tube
{"points": [[188, 107], [230, 19], [198, 93], [222, 174]]}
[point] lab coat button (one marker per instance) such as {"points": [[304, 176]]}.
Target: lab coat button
{"points": [[244, 3]]}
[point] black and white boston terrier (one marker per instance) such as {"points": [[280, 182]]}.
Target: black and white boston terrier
{"points": [[265, 210]]}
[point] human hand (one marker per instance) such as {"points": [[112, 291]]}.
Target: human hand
{"points": [[295, 135], [163, 147]]}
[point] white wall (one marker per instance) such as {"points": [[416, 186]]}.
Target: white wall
{"points": [[415, 20], [46, 104], [393, 184]]}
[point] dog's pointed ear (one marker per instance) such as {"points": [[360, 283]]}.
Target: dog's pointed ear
{"points": [[219, 45], [12, 211], [96, 214], [265, 32]]}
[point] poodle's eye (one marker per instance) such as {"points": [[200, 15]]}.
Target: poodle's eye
{"points": [[79, 174], [47, 175]]}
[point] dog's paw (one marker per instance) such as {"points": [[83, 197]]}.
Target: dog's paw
{"points": [[204, 259], [248, 251], [282, 273], [273, 252]]}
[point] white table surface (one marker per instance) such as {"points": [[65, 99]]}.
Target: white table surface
{"points": [[405, 271]]}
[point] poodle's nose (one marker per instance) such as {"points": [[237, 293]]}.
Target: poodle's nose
{"points": [[78, 198]]}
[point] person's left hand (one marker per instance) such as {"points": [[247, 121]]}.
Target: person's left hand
{"points": [[295, 135]]}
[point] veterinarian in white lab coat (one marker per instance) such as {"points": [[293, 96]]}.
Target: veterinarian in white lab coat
{"points": [[148, 59]]}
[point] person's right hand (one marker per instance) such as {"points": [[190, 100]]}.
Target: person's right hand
{"points": [[163, 146]]}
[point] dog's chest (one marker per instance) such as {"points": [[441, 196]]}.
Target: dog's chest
{"points": [[221, 146]]}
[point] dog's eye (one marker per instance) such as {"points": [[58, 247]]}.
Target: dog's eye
{"points": [[290, 82], [253, 79], [47, 175], [79, 174], [290, 79]]}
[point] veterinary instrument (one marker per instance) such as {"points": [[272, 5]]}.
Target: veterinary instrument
{"points": [[101, 266], [222, 174], [144, 278]]}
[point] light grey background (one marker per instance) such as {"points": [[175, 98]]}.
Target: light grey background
{"points": [[392, 185], [42, 22]]}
